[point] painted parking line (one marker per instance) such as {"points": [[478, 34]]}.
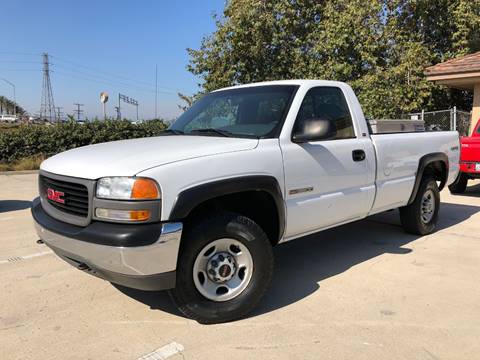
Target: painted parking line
{"points": [[25, 257], [164, 352]]}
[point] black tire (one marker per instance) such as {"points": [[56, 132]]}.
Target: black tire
{"points": [[411, 215], [217, 226], [460, 184]]}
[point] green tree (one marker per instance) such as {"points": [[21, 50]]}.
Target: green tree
{"points": [[256, 40], [380, 47], [7, 106], [187, 100]]}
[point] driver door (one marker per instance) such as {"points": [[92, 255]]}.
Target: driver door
{"points": [[328, 181]]}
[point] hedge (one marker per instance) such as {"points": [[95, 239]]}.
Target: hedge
{"points": [[31, 140]]}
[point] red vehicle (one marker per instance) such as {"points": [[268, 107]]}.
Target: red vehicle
{"points": [[469, 161]]}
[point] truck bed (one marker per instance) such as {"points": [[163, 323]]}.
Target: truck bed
{"points": [[398, 157]]}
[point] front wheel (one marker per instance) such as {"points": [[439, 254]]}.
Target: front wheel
{"points": [[420, 217], [225, 267]]}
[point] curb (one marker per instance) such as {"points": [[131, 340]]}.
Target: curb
{"points": [[20, 172]]}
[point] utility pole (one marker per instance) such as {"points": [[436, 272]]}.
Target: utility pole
{"points": [[156, 91], [117, 109], [47, 108], [14, 97], [78, 111], [59, 113], [119, 114]]}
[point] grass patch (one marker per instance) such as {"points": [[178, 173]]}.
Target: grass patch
{"points": [[8, 127], [28, 163]]}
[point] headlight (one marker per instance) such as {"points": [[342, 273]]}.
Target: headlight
{"points": [[127, 188]]}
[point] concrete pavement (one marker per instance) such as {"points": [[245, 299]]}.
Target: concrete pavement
{"points": [[365, 290]]}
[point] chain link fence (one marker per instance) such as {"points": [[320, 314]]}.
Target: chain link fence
{"points": [[463, 122], [441, 120]]}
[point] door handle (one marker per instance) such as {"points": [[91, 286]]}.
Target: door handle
{"points": [[358, 155]]}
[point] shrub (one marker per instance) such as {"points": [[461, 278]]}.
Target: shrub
{"points": [[31, 141], [29, 163]]}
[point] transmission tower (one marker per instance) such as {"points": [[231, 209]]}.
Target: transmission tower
{"points": [[47, 109], [78, 111]]}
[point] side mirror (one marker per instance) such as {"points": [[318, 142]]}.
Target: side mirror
{"points": [[314, 130]]}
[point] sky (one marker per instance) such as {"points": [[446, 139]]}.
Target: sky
{"points": [[107, 45]]}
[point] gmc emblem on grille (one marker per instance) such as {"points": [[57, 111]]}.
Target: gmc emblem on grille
{"points": [[55, 196]]}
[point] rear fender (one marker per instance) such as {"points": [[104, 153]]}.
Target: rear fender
{"points": [[424, 163]]}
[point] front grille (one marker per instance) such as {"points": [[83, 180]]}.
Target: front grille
{"points": [[75, 196]]}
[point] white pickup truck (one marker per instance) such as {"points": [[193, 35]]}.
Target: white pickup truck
{"points": [[198, 209]]}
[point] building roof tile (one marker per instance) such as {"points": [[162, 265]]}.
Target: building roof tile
{"points": [[465, 64]]}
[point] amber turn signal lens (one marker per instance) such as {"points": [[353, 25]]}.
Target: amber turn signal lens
{"points": [[123, 215], [145, 189], [139, 215]]}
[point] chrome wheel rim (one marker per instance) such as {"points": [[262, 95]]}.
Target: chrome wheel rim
{"points": [[223, 269], [427, 206]]}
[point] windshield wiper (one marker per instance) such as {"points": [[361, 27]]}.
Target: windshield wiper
{"points": [[173, 131], [213, 131]]}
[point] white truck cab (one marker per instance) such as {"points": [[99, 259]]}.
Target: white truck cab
{"points": [[198, 209]]}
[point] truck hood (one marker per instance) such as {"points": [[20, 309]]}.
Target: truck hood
{"points": [[129, 157], [470, 149]]}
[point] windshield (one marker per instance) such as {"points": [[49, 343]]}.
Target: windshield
{"points": [[257, 112]]}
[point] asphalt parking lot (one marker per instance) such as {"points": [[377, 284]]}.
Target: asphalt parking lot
{"points": [[365, 290]]}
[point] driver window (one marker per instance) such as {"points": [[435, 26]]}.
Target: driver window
{"points": [[327, 103]]}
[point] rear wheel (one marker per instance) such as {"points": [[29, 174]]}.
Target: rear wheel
{"points": [[420, 217], [224, 269], [460, 184]]}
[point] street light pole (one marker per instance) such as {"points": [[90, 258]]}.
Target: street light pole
{"points": [[14, 97], [156, 90]]}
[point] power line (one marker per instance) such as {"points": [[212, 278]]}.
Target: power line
{"points": [[96, 70], [75, 76], [19, 53], [99, 76], [21, 70], [108, 74], [18, 62], [105, 79], [89, 74]]}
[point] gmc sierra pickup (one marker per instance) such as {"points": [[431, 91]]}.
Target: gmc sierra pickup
{"points": [[198, 209]]}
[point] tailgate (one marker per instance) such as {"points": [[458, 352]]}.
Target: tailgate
{"points": [[470, 149]]}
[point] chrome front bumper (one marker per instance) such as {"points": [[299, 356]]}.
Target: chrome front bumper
{"points": [[148, 267], [152, 259]]}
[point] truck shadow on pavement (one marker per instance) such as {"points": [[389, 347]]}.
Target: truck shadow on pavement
{"points": [[13, 205], [471, 191], [302, 264]]}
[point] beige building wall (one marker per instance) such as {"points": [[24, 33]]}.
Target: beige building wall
{"points": [[476, 107]]}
